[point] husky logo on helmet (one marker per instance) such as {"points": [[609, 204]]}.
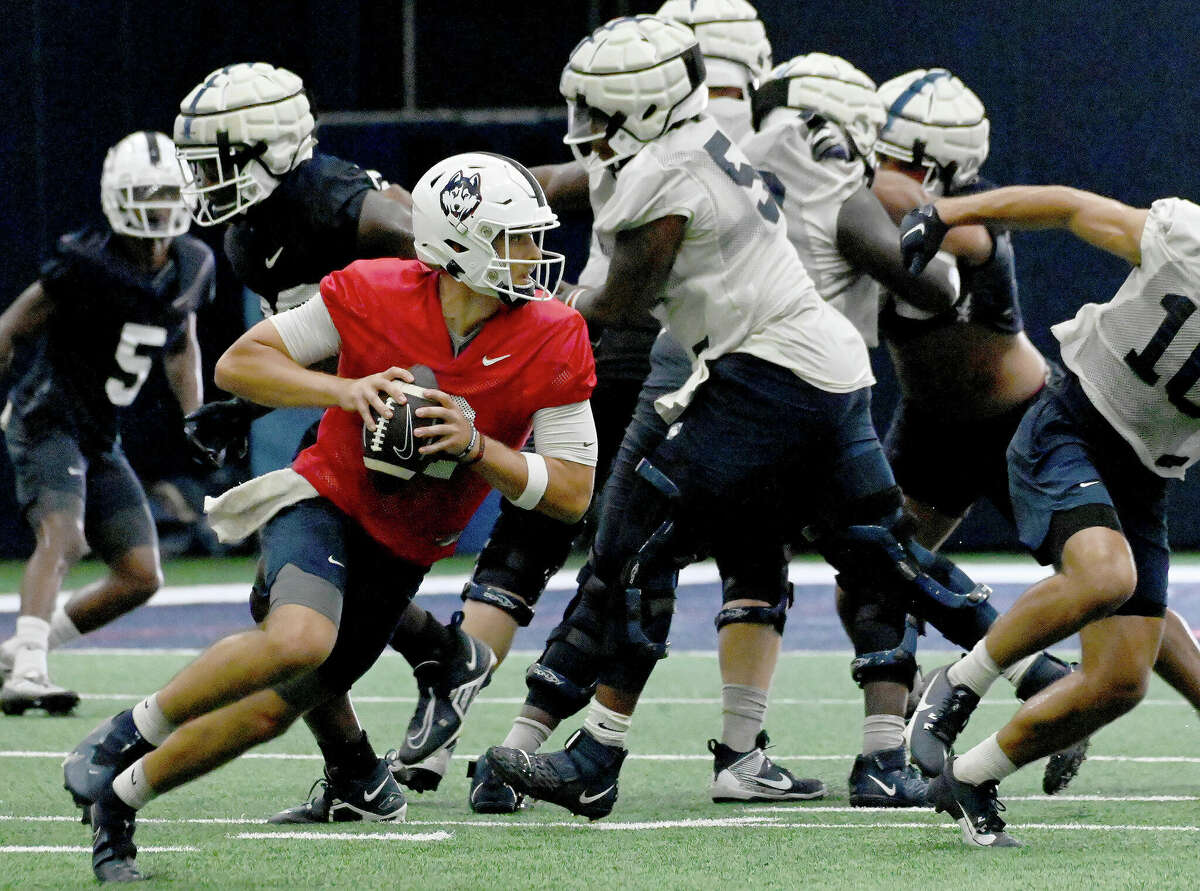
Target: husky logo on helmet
{"points": [[460, 197]]}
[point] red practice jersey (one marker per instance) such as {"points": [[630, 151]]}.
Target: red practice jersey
{"points": [[532, 356]]}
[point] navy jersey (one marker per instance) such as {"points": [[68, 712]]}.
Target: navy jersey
{"points": [[303, 230], [989, 292], [111, 321]]}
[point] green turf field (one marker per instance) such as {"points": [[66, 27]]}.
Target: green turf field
{"points": [[1124, 823]]}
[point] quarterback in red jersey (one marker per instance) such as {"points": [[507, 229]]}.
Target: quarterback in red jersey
{"points": [[341, 558]]}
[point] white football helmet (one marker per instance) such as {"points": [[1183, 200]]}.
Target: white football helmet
{"points": [[140, 187], [628, 83], [732, 39], [935, 121], [830, 87], [468, 209], [237, 131]]}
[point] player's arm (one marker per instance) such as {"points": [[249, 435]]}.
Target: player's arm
{"points": [[23, 319], [1100, 221], [867, 237], [899, 194], [262, 367], [385, 224], [556, 481], [641, 261], [565, 185], [182, 368]]}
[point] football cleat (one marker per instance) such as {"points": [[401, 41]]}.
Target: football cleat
{"points": [[752, 776], [90, 768], [36, 691], [446, 693], [886, 779], [490, 795], [582, 777], [424, 776], [1063, 766], [976, 808], [375, 798], [113, 850], [939, 718]]}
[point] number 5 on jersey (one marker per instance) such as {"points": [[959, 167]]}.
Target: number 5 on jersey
{"points": [[122, 389]]}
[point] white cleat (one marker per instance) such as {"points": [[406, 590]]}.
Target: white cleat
{"points": [[22, 693]]}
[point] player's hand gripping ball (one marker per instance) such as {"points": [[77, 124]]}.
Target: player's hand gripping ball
{"points": [[391, 449]]}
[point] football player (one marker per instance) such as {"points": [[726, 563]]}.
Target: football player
{"points": [[109, 304], [1088, 469], [779, 381], [343, 557]]}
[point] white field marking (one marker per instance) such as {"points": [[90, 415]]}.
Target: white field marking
{"points": [[803, 807], [73, 849], [634, 756], [801, 572], [346, 836]]}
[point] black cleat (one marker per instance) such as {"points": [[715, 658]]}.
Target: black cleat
{"points": [[113, 850], [489, 794], [976, 808], [752, 776], [375, 798], [582, 777], [446, 692], [91, 767], [424, 776], [886, 779], [940, 717], [1063, 766]]}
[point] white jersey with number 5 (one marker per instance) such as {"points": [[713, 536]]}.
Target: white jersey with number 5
{"points": [[1138, 355], [737, 284]]}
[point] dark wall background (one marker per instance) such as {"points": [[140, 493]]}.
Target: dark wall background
{"points": [[1097, 95]]}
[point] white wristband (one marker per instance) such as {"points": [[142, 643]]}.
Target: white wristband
{"points": [[536, 481]]}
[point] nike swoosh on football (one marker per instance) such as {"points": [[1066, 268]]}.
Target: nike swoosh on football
{"points": [[371, 796], [270, 261], [487, 360], [584, 798], [407, 452], [890, 790]]}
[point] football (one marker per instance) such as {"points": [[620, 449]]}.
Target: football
{"points": [[391, 449]]}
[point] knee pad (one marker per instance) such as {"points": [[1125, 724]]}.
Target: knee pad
{"points": [[502, 600], [964, 616], [522, 552], [775, 615], [755, 576], [553, 691], [1045, 670], [562, 680], [897, 664]]}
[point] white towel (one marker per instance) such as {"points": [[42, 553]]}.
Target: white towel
{"points": [[245, 509]]}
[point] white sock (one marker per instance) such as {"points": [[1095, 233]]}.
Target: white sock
{"points": [[132, 787], [29, 660], [607, 726], [743, 711], [986, 761], [150, 721], [882, 732], [976, 670], [1016, 672], [527, 735], [62, 629]]}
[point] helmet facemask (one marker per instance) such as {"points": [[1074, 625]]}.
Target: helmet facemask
{"points": [[222, 180], [140, 189]]}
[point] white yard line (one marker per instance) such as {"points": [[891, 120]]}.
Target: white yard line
{"points": [[343, 836]]}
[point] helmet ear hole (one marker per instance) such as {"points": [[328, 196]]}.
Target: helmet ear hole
{"points": [[649, 112], [456, 246]]}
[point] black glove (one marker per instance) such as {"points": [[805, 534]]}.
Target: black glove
{"points": [[220, 431], [921, 234]]}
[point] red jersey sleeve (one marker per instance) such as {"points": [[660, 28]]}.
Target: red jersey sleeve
{"points": [[570, 368]]}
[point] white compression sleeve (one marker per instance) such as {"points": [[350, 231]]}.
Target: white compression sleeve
{"points": [[308, 332]]}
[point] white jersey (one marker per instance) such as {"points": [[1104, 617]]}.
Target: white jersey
{"points": [[813, 194], [1138, 355], [736, 284]]}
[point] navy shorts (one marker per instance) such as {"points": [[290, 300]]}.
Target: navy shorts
{"points": [[316, 556], [54, 471], [1065, 455], [951, 467]]}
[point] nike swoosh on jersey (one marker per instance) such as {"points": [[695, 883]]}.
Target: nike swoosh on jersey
{"points": [[336, 562], [1089, 483], [270, 261], [584, 798], [890, 790], [487, 360]]}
